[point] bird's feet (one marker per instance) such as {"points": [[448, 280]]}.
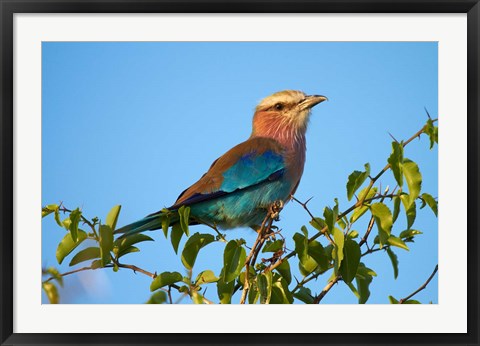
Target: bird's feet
{"points": [[275, 210]]}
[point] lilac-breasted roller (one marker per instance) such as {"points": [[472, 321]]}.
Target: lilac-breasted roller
{"points": [[244, 182]]}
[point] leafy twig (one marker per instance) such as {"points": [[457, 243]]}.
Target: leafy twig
{"points": [[254, 250], [69, 273], [127, 266], [358, 204]]}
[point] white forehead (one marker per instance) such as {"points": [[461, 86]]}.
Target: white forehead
{"points": [[286, 96]]}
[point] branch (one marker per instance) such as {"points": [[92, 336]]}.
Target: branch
{"points": [[83, 218], [367, 233], [403, 300], [69, 273], [372, 220], [135, 269], [309, 278], [128, 266], [372, 250], [326, 289], [358, 204], [263, 234]]}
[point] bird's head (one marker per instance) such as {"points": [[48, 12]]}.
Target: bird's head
{"points": [[284, 115]]}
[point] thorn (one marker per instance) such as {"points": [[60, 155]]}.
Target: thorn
{"points": [[386, 190], [428, 114], [308, 200], [393, 137]]}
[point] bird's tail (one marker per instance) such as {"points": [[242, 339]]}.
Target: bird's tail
{"points": [[150, 222]]}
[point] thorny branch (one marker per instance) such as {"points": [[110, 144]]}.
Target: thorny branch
{"points": [[263, 234], [132, 267], [359, 203]]}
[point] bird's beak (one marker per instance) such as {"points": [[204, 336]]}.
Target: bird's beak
{"points": [[311, 101]]}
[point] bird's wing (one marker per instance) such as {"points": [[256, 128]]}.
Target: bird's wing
{"points": [[247, 164]]}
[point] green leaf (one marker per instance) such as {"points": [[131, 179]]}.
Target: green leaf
{"points": [[47, 210], [206, 277], [414, 179], [396, 160], [57, 217], [184, 213], [301, 246], [409, 233], [55, 274], [234, 258], [67, 245], [364, 279], [329, 252], [330, 216], [73, 226], [125, 242], [396, 208], [432, 131], [394, 241], [317, 252], [280, 292], [432, 203], [176, 235], [112, 217], [342, 224], [355, 180], [351, 253], [318, 223], [284, 270], [273, 246], [306, 263], [85, 255], [383, 219], [165, 279], [305, 295], [353, 234], [308, 266], [225, 290], [165, 223], [337, 252], [394, 260], [264, 282], [106, 243], [197, 298], [358, 212], [393, 300], [66, 223], [253, 293], [52, 292], [158, 297], [193, 246], [411, 301], [128, 250], [410, 209]]}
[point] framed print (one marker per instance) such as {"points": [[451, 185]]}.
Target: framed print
{"points": [[270, 172]]}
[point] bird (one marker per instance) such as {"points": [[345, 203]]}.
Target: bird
{"points": [[241, 185]]}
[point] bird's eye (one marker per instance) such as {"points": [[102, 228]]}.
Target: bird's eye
{"points": [[279, 106]]}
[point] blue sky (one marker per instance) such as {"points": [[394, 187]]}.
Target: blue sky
{"points": [[136, 123]]}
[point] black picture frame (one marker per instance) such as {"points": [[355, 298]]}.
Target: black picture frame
{"points": [[9, 7]]}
